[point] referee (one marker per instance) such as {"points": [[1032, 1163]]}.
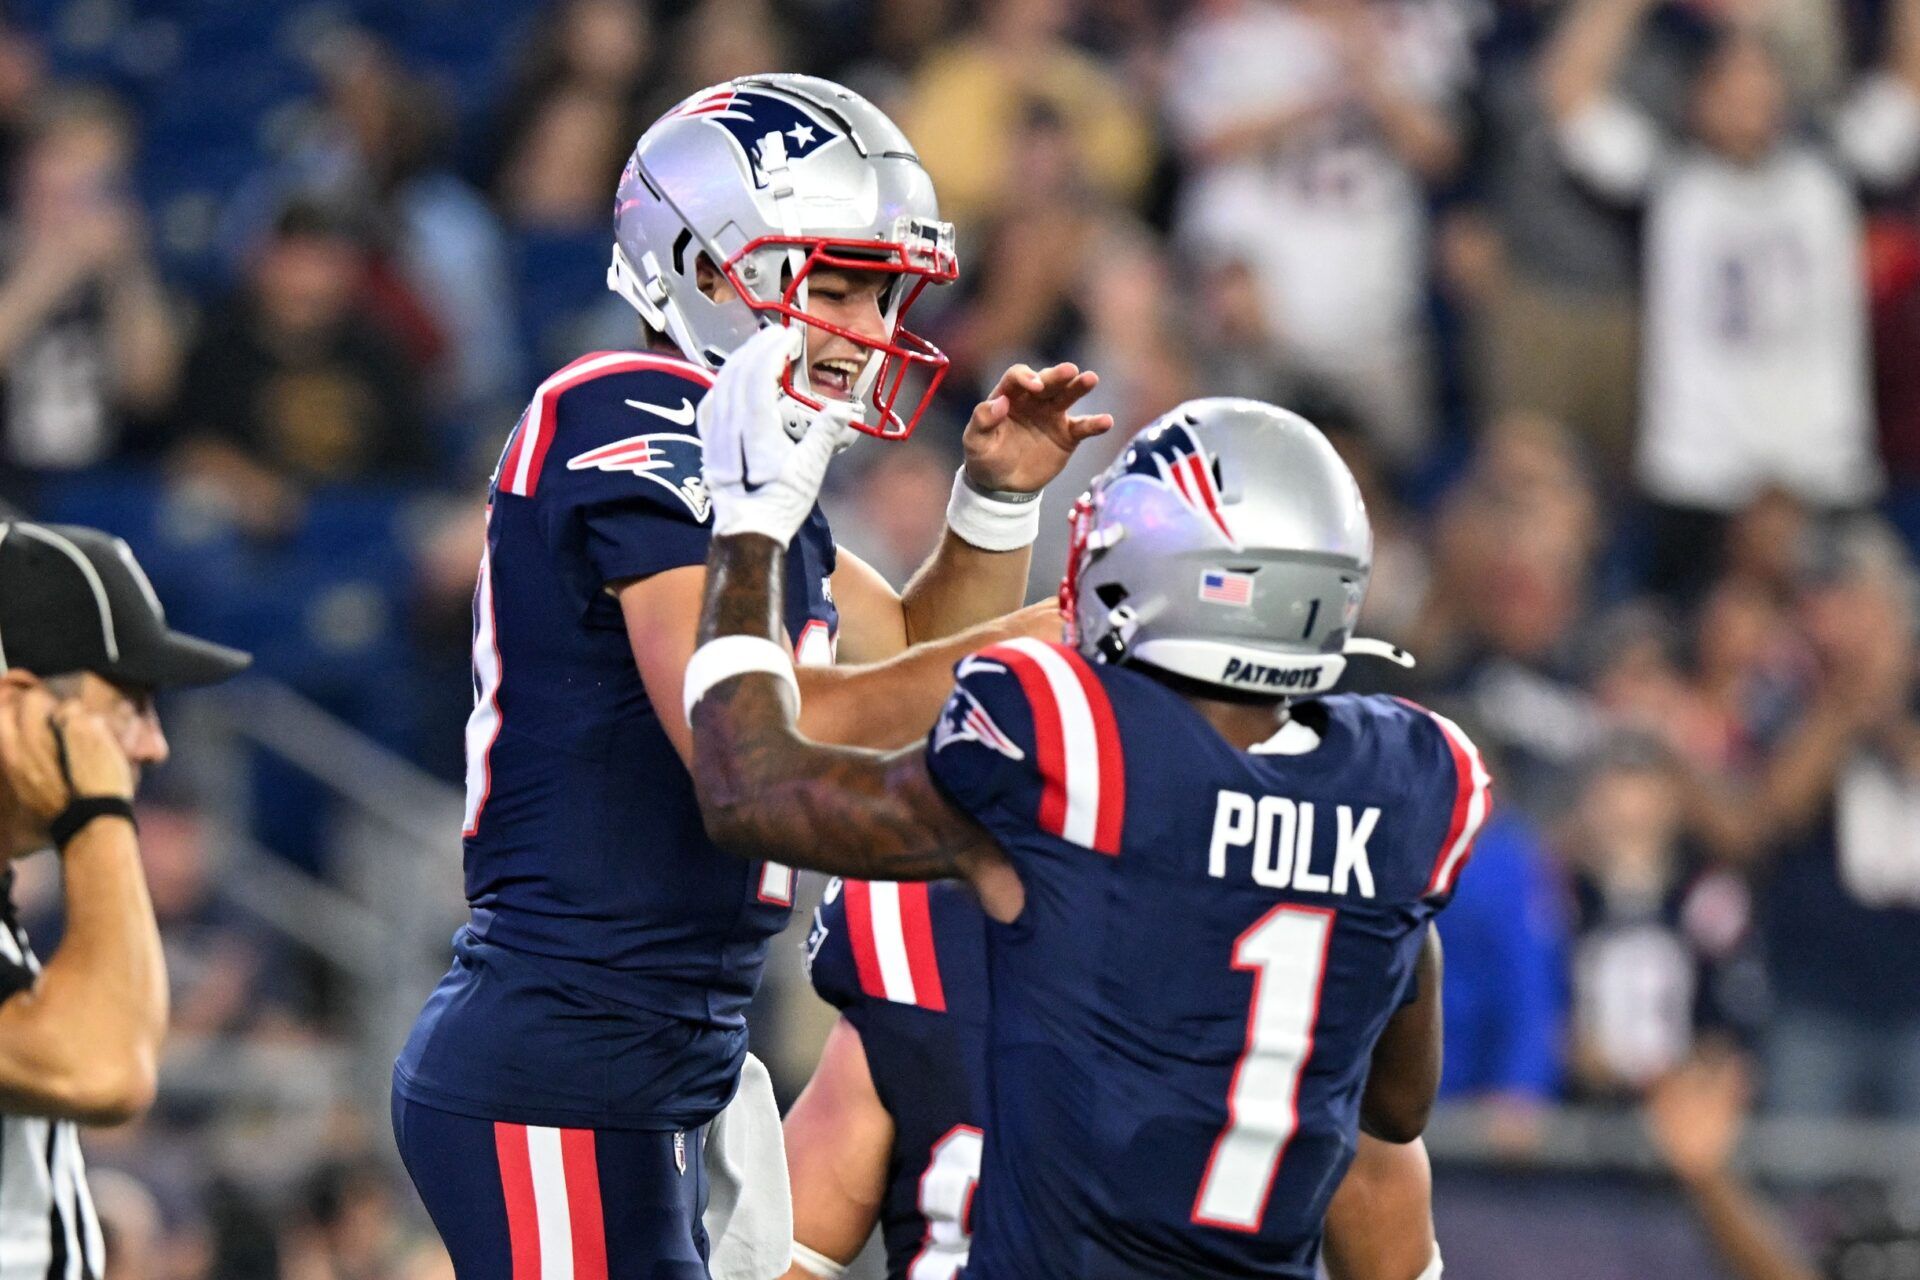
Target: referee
{"points": [[83, 647]]}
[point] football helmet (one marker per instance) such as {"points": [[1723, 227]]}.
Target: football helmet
{"points": [[1228, 544], [771, 177]]}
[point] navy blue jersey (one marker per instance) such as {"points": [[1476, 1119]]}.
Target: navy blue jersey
{"points": [[906, 965], [603, 977], [1182, 1018]]}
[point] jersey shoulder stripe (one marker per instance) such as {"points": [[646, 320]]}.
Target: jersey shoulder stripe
{"points": [[1077, 743], [890, 928], [526, 454], [1472, 802]]}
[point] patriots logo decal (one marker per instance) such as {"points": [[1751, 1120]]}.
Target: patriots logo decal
{"points": [[1174, 456], [751, 114], [965, 720], [667, 458]]}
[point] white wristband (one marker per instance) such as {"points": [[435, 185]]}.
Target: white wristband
{"points": [[816, 1263], [991, 524], [731, 656]]}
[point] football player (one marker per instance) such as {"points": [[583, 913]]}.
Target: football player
{"points": [[891, 1126], [551, 1099], [1210, 882]]}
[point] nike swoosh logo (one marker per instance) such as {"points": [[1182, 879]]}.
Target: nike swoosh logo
{"points": [[681, 417]]}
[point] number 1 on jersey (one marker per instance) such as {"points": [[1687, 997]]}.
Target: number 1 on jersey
{"points": [[1286, 950]]}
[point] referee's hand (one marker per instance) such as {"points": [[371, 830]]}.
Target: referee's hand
{"points": [[52, 752]]}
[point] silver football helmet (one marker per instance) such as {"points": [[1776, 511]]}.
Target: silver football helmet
{"points": [[1228, 544], [771, 176]]}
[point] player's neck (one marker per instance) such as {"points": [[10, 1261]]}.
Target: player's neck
{"points": [[1243, 724]]}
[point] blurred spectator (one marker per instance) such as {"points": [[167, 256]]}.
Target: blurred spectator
{"points": [[1695, 1116], [1137, 345], [1310, 128], [1505, 941], [1755, 353], [1547, 274], [87, 340], [972, 97], [1830, 823], [439, 271], [1028, 282], [293, 382], [1662, 950], [223, 977], [23, 84], [1500, 633], [720, 39], [353, 1230], [130, 1227], [567, 158], [597, 49]]}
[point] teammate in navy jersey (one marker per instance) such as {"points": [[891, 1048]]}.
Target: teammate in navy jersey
{"points": [[890, 1128], [550, 1102], [1210, 884]]}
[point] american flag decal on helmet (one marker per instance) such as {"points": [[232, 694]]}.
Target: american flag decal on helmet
{"points": [[751, 114], [1174, 456]]}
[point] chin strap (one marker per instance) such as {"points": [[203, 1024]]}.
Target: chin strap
{"points": [[1378, 649]]}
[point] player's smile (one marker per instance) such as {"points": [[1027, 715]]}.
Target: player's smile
{"points": [[834, 377], [851, 300]]}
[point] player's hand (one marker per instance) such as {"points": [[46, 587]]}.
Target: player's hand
{"points": [[761, 479], [52, 752], [1020, 437], [1038, 621]]}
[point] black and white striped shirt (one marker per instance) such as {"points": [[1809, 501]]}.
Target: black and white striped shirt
{"points": [[48, 1228]]}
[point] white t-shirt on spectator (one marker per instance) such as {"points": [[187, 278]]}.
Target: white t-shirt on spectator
{"points": [[1755, 369], [1331, 220]]}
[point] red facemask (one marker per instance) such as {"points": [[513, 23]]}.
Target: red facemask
{"points": [[919, 259], [1079, 526]]}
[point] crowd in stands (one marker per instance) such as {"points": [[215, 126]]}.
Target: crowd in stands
{"points": [[1612, 305]]}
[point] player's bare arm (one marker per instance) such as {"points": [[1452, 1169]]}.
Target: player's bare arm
{"points": [[838, 702], [839, 1139], [83, 1043], [766, 791], [1405, 1074], [1016, 441]]}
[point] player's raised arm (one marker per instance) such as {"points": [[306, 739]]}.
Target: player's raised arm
{"points": [[1016, 442], [765, 791]]}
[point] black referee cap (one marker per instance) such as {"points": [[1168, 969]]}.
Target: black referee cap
{"points": [[75, 599]]}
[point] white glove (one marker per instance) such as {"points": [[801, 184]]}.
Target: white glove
{"points": [[761, 479]]}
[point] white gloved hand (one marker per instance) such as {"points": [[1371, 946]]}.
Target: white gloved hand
{"points": [[760, 478]]}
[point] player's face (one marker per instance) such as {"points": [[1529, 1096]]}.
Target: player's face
{"points": [[853, 300]]}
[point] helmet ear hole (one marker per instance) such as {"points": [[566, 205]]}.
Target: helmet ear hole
{"points": [[1111, 594]]}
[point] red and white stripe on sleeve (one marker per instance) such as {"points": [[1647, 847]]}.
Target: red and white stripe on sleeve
{"points": [[551, 1178], [1472, 801], [1076, 743], [891, 928], [520, 468]]}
